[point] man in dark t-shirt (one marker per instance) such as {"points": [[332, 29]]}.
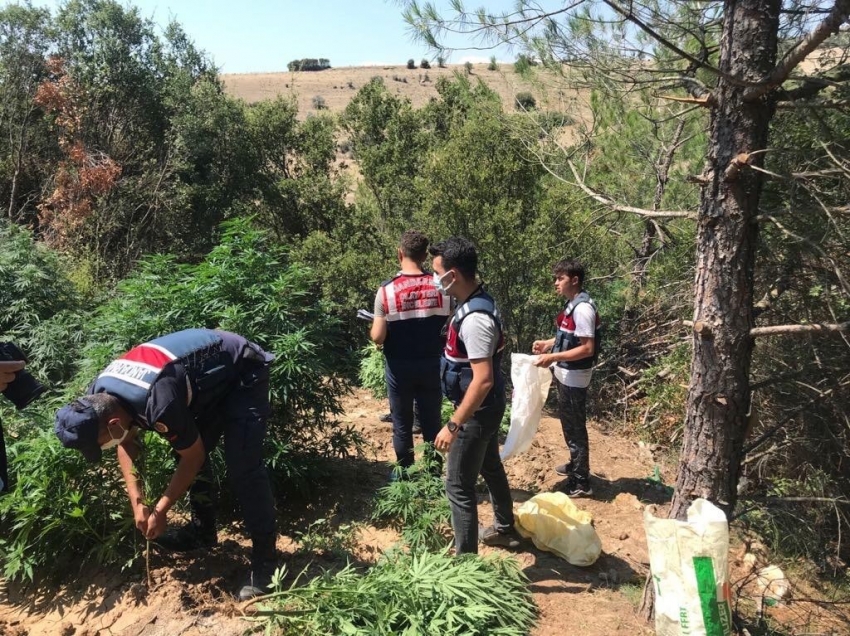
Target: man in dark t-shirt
{"points": [[191, 387]]}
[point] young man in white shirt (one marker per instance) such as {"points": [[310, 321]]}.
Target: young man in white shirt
{"points": [[572, 354]]}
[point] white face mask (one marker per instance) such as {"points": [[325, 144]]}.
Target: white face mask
{"points": [[114, 441], [438, 282]]}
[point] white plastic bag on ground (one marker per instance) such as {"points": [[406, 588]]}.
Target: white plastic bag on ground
{"points": [[689, 561], [531, 386]]}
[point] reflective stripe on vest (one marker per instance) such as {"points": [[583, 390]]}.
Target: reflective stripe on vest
{"points": [[413, 296], [131, 376]]}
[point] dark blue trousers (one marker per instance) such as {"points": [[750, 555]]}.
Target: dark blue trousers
{"points": [[241, 419], [410, 381]]}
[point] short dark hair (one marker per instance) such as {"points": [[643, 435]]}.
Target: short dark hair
{"points": [[458, 253], [414, 244], [104, 405], [570, 267]]}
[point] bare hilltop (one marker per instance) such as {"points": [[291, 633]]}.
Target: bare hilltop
{"points": [[337, 86]]}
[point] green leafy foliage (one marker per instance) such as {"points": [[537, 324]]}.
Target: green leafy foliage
{"points": [[246, 285], [416, 504], [525, 101], [322, 538], [372, 373], [309, 64], [418, 593]]}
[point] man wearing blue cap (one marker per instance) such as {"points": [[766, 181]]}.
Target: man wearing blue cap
{"points": [[191, 387]]}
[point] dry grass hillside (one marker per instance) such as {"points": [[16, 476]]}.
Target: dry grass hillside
{"points": [[337, 86]]}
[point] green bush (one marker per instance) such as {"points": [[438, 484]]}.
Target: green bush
{"points": [[419, 593], [468, 67], [309, 64], [425, 63], [372, 371], [417, 505], [411, 63], [525, 101], [60, 505], [493, 66], [524, 63], [40, 304]]}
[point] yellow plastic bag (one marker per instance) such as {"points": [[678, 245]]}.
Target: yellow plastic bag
{"points": [[556, 525]]}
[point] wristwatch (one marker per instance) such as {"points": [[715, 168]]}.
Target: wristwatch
{"points": [[454, 427]]}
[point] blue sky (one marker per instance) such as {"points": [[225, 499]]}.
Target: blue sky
{"points": [[263, 35]]}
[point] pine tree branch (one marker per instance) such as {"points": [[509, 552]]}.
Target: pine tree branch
{"points": [[777, 330], [817, 248], [696, 89], [761, 439], [695, 61], [830, 104], [839, 13], [811, 86], [601, 198]]}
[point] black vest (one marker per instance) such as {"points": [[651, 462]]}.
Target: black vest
{"points": [[455, 369]]}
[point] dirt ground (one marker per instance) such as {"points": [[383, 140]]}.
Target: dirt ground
{"points": [[192, 595]]}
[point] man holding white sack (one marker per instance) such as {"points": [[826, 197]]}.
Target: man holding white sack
{"points": [[572, 354]]}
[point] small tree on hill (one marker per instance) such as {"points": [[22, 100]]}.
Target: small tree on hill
{"points": [[411, 63], [492, 66], [525, 101], [441, 62], [425, 63]]}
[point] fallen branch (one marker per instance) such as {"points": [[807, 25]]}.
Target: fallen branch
{"points": [[832, 500]]}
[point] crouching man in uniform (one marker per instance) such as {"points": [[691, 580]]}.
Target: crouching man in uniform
{"points": [[192, 387]]}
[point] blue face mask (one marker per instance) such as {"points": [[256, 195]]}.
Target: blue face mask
{"points": [[438, 282]]}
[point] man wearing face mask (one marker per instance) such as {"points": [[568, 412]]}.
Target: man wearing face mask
{"points": [[472, 380], [191, 387], [409, 318]]}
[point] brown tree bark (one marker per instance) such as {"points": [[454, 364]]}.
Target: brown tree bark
{"points": [[719, 392], [719, 395]]}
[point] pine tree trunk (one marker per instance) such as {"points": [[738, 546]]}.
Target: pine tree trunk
{"points": [[719, 396]]}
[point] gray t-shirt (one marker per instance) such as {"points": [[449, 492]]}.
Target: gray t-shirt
{"points": [[480, 335]]}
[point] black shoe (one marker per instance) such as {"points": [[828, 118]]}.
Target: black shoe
{"points": [[564, 470], [258, 582], [576, 488], [492, 537], [186, 538], [386, 417]]}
